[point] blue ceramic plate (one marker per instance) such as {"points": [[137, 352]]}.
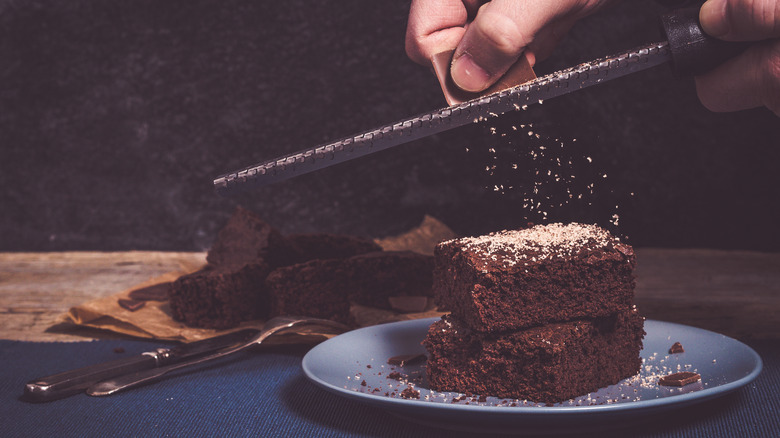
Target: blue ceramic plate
{"points": [[354, 365]]}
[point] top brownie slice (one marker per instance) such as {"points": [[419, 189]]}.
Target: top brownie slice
{"points": [[548, 273]]}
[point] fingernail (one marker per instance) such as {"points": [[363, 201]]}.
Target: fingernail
{"points": [[713, 18], [468, 75]]}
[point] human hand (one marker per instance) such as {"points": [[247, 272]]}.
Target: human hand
{"points": [[488, 37], [752, 79]]}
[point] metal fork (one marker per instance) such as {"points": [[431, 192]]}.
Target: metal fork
{"points": [[271, 327]]}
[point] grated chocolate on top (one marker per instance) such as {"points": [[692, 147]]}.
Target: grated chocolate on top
{"points": [[537, 243]]}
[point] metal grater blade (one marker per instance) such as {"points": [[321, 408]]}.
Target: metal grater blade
{"points": [[423, 125]]}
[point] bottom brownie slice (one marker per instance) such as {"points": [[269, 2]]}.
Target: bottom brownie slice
{"points": [[547, 364]]}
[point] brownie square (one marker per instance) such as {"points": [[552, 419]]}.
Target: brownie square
{"points": [[305, 247], [325, 288], [247, 238], [220, 297], [548, 273], [545, 364]]}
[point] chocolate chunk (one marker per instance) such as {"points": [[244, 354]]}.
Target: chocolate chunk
{"points": [[131, 305], [405, 359], [676, 348], [410, 392], [679, 379], [155, 292], [410, 304]]}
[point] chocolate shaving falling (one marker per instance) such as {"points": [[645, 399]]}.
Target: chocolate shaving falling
{"points": [[679, 379], [131, 305], [676, 348]]}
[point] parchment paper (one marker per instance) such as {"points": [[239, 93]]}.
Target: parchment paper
{"points": [[154, 319]]}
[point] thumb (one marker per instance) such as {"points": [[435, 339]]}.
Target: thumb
{"points": [[503, 29], [741, 20], [490, 45]]}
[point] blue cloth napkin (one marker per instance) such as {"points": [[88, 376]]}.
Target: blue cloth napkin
{"points": [[265, 393]]}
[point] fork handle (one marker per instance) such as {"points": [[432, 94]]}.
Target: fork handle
{"points": [[112, 386]]}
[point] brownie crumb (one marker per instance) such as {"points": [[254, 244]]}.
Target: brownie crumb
{"points": [[410, 392], [394, 375], [676, 348], [362, 383], [679, 379], [119, 350], [131, 305]]}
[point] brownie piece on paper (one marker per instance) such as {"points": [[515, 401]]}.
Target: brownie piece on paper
{"points": [[221, 297], [326, 288], [247, 238], [305, 247]]}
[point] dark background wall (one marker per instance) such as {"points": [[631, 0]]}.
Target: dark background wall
{"points": [[116, 115]]}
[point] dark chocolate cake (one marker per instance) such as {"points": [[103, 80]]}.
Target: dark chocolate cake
{"points": [[517, 279], [247, 238], [325, 288], [231, 289], [543, 314], [220, 297], [305, 247], [548, 364]]}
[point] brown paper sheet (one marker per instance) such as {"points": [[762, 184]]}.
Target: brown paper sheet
{"points": [[154, 319]]}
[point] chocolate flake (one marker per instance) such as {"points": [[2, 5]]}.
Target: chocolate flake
{"points": [[676, 348], [405, 359], [131, 305], [410, 392], [679, 379]]}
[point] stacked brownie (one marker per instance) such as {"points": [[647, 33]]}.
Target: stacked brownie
{"points": [[542, 314], [255, 272]]}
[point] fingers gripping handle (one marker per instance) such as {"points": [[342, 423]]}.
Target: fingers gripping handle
{"points": [[693, 51]]}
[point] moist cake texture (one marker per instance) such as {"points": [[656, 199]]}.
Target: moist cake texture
{"points": [[325, 288], [543, 314], [549, 273], [548, 364], [247, 238], [231, 289], [305, 247], [220, 297]]}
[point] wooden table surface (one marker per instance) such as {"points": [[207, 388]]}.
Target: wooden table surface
{"points": [[736, 293]]}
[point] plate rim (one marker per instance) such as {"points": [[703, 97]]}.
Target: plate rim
{"points": [[395, 404]]}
